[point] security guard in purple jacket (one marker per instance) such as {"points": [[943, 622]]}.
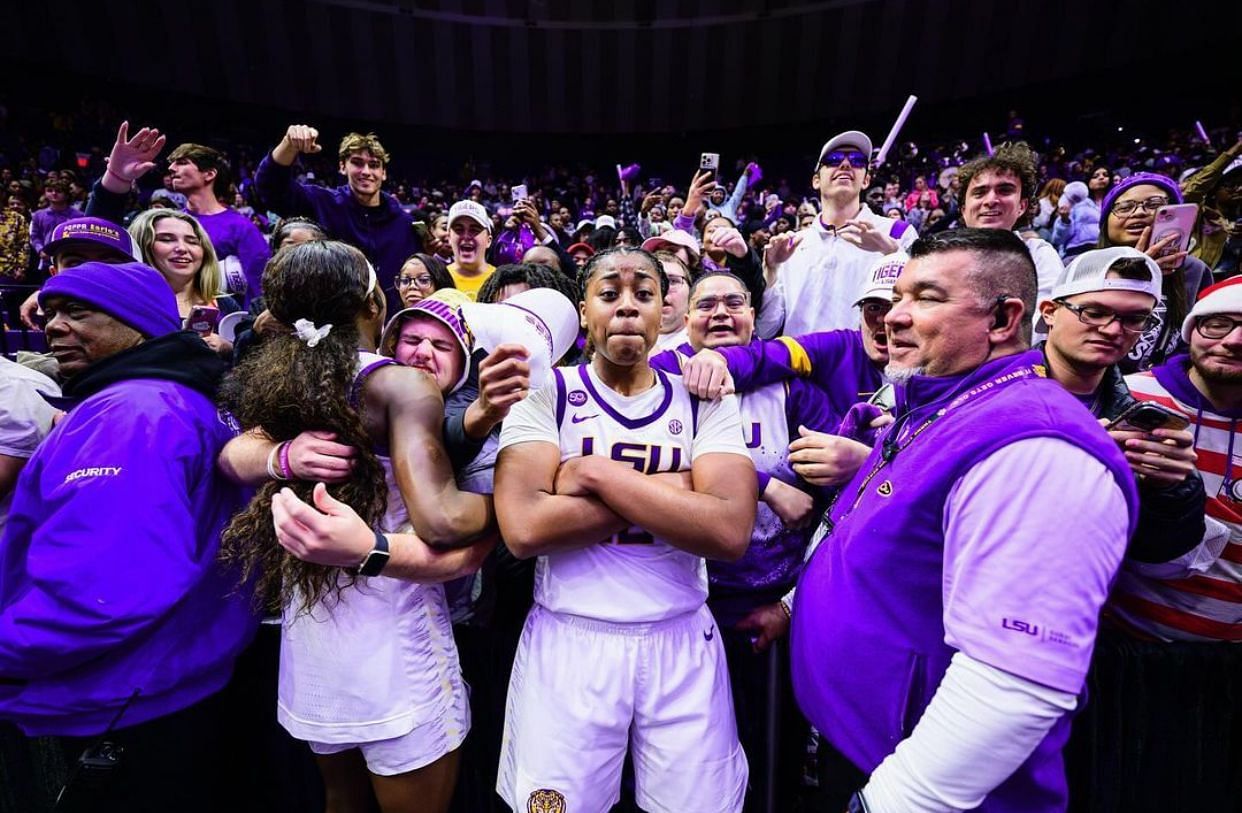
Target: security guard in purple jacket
{"points": [[118, 629]]}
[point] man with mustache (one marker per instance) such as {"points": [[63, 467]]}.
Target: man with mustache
{"points": [[944, 626]]}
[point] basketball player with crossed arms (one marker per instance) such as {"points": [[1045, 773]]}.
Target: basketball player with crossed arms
{"points": [[622, 483]]}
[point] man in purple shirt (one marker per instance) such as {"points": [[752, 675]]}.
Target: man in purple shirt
{"points": [[48, 218], [358, 212], [203, 175], [944, 627]]}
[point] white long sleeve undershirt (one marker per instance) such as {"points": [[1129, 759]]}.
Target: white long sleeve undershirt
{"points": [[980, 726]]}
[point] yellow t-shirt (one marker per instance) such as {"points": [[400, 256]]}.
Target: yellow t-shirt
{"points": [[470, 285]]}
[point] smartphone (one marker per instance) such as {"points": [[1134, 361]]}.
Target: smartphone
{"points": [[1146, 416], [519, 192], [203, 319], [1177, 219], [885, 398], [709, 161]]}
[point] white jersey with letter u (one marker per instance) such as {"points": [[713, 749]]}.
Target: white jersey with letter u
{"points": [[632, 576]]}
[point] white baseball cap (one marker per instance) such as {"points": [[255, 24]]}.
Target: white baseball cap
{"points": [[472, 210], [850, 138], [1088, 273], [882, 277], [605, 220], [542, 320]]}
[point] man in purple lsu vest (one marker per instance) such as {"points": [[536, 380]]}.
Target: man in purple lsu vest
{"points": [[944, 627]]}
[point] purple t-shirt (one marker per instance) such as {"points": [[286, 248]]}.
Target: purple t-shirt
{"points": [[233, 235]]}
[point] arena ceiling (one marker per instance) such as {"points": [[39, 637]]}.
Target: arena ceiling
{"points": [[629, 66]]}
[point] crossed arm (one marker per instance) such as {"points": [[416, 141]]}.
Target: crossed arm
{"points": [[545, 506]]}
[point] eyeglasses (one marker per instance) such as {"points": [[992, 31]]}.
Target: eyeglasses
{"points": [[1217, 327], [876, 309], [1128, 207], [1103, 317], [674, 280], [734, 303], [422, 281], [856, 158]]}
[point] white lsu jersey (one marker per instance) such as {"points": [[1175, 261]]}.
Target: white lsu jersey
{"points": [[632, 576]]}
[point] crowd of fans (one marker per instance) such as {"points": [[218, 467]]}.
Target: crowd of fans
{"points": [[591, 488]]}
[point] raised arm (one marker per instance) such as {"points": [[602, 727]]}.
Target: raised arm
{"points": [[274, 180]]}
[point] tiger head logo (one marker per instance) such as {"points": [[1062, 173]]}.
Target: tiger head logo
{"points": [[546, 801]]}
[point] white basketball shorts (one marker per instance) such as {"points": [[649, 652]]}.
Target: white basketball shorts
{"points": [[583, 691]]}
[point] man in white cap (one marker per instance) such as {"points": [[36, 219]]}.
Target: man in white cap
{"points": [[1094, 314], [470, 235], [812, 275]]}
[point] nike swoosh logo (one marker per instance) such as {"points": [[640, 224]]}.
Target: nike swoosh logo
{"points": [[709, 634], [581, 418]]}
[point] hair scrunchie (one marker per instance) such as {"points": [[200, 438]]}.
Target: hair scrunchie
{"points": [[309, 332]]}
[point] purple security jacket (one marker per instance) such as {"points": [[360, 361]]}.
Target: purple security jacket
{"points": [[108, 575], [868, 637]]}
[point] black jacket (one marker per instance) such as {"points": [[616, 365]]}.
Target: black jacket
{"points": [[1170, 517]]}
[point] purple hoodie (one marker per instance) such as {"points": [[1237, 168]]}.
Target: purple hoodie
{"points": [[384, 233]]}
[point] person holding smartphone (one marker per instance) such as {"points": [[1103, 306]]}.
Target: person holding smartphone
{"points": [[1095, 314], [1171, 663], [1126, 219], [175, 244]]}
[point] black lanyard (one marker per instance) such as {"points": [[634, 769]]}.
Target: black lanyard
{"points": [[892, 445]]}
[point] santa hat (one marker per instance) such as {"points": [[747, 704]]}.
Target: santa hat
{"points": [[1223, 297]]}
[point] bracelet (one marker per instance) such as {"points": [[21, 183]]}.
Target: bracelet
{"points": [[272, 474], [285, 468]]}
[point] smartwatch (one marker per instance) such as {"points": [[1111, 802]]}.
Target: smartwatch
{"points": [[377, 559]]}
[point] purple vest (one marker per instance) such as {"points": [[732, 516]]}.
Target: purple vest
{"points": [[868, 636]]}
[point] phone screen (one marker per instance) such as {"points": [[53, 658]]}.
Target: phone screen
{"points": [[203, 320]]}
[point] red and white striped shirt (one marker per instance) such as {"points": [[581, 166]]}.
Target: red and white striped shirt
{"points": [[1202, 602]]}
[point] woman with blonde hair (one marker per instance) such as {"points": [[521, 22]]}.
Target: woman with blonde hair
{"points": [[174, 243]]}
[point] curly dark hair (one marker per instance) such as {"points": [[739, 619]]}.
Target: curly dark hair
{"points": [[286, 387], [1016, 158], [536, 276]]}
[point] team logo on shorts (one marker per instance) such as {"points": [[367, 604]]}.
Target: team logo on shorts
{"points": [[885, 489], [674, 426], [545, 800], [577, 398]]}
